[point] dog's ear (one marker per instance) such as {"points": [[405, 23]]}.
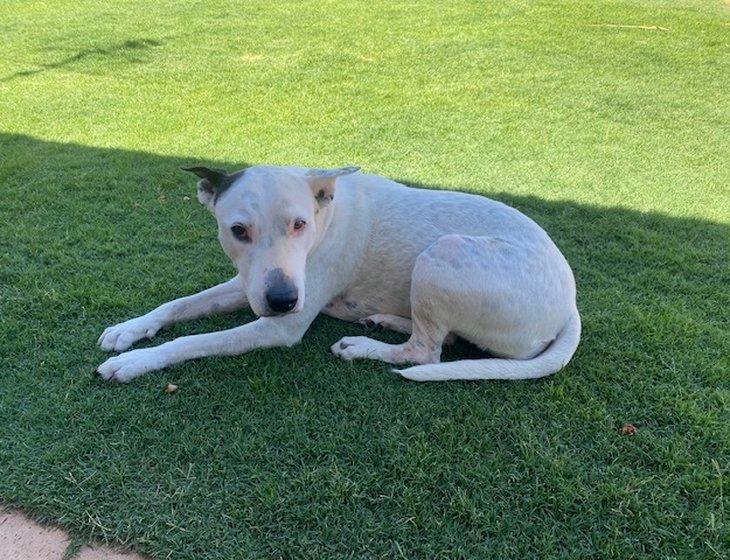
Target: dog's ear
{"points": [[212, 183], [322, 182]]}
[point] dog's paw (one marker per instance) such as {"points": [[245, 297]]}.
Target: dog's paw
{"points": [[353, 347], [127, 366], [120, 337]]}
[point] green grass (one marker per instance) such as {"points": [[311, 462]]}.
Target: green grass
{"points": [[614, 139]]}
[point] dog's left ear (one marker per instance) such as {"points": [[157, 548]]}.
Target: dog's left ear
{"points": [[323, 181], [212, 183]]}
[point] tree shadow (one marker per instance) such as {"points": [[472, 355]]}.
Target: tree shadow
{"points": [[125, 48], [647, 277]]}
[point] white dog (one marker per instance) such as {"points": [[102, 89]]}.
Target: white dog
{"points": [[363, 248]]}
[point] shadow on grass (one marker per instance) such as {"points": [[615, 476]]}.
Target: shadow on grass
{"points": [[125, 48], [643, 256], [294, 442], [647, 262]]}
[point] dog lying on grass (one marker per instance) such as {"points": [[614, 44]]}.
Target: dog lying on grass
{"points": [[363, 248]]}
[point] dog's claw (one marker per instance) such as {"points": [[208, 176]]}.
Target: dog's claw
{"points": [[369, 324]]}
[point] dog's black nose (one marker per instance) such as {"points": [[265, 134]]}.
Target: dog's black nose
{"points": [[281, 302]]}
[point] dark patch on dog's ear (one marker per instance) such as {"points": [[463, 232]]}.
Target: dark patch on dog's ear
{"points": [[323, 181], [323, 197], [215, 181]]}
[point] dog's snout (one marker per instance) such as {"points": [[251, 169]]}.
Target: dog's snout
{"points": [[281, 293], [282, 301]]}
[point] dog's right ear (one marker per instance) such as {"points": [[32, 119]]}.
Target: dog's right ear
{"points": [[212, 183]]}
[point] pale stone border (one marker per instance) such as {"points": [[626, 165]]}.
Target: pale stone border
{"points": [[21, 538]]}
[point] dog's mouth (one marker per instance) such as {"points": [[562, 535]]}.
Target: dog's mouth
{"points": [[270, 313]]}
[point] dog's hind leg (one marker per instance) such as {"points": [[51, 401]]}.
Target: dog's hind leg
{"points": [[424, 346], [396, 324], [514, 298], [428, 332], [461, 284]]}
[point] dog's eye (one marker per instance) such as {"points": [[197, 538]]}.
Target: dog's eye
{"points": [[299, 224], [240, 232]]}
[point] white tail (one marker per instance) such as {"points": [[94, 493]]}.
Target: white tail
{"points": [[552, 359]]}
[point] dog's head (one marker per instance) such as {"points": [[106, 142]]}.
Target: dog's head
{"points": [[269, 219]]}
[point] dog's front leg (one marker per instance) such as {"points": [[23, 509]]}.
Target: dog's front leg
{"points": [[222, 298], [262, 333]]}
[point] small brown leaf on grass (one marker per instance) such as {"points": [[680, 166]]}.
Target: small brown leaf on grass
{"points": [[628, 430], [136, 205], [162, 199], [170, 388]]}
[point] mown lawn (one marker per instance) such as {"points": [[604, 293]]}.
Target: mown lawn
{"points": [[615, 139]]}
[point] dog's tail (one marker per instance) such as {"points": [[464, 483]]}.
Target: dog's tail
{"points": [[552, 359]]}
